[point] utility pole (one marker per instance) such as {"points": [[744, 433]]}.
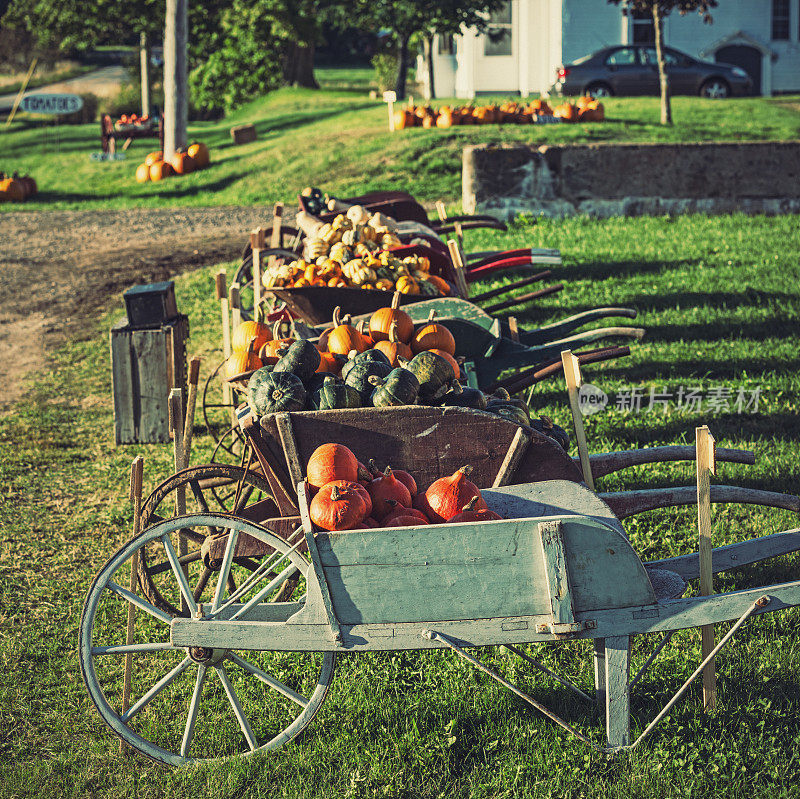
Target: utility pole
{"points": [[144, 66], [176, 101]]}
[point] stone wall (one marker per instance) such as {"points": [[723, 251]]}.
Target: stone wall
{"points": [[632, 179]]}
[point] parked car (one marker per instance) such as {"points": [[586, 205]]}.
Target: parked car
{"points": [[633, 69]]}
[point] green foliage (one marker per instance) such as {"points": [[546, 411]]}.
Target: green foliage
{"points": [[241, 60], [385, 65]]}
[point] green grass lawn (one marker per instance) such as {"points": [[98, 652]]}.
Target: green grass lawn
{"points": [[346, 148], [719, 299]]}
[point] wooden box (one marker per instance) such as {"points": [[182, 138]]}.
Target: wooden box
{"points": [[243, 134], [151, 305], [145, 365]]}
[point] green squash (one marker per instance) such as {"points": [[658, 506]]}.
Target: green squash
{"points": [[464, 397], [268, 392], [512, 414], [316, 381], [301, 359], [333, 393], [432, 371], [400, 387], [360, 373], [502, 397], [364, 357]]}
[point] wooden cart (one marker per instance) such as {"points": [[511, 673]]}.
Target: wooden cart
{"points": [[558, 568]]}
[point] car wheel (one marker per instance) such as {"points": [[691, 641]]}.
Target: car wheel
{"points": [[598, 90], [715, 88]]}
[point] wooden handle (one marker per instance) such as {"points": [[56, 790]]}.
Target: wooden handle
{"points": [[221, 282], [194, 370], [572, 374], [706, 464], [441, 211], [257, 238], [517, 284], [533, 295]]}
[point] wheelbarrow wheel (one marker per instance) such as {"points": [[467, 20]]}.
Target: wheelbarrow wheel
{"points": [[217, 414], [191, 704], [208, 488]]}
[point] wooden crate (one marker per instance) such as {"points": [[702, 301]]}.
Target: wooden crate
{"points": [[145, 365], [243, 134]]}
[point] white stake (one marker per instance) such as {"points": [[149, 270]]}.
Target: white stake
{"points": [[572, 373], [706, 465]]}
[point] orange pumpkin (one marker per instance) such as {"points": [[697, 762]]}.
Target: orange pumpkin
{"points": [[152, 158], [337, 508], [12, 189], [247, 332], [182, 163], [404, 118], [567, 112], [380, 323], [394, 349], [241, 361], [200, 155], [445, 118], [582, 102], [344, 337], [450, 359], [328, 362], [142, 173], [159, 170], [330, 462], [433, 336], [442, 285]]}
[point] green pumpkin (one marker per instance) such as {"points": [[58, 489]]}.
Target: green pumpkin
{"points": [[512, 414], [333, 393], [400, 387], [464, 397], [316, 381], [301, 359], [502, 397], [364, 357], [268, 392], [360, 373], [432, 371]]}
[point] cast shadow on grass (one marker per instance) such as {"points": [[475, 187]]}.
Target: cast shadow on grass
{"points": [[287, 122], [602, 270]]}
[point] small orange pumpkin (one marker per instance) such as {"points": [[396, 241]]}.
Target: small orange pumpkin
{"points": [[394, 348], [328, 362], [200, 155], [142, 173], [337, 508], [182, 163], [344, 337], [442, 285], [330, 462], [380, 323], [247, 331], [433, 336], [242, 361], [152, 158], [160, 170]]}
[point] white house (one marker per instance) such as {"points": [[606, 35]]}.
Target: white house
{"points": [[529, 39]]}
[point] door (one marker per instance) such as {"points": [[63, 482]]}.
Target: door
{"points": [[625, 73], [744, 56]]}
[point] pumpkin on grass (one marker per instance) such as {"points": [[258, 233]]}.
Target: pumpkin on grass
{"points": [[330, 462], [200, 155], [182, 163], [448, 495], [152, 158], [142, 173], [337, 508], [160, 170]]}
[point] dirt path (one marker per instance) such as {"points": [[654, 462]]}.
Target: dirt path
{"points": [[104, 82], [60, 268]]}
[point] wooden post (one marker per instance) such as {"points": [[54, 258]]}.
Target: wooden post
{"points": [[176, 423], [191, 403], [222, 296], [235, 302], [137, 478], [144, 71], [441, 211], [706, 465], [459, 237], [458, 264], [176, 100], [513, 329], [256, 246], [572, 373], [21, 92], [390, 98]]}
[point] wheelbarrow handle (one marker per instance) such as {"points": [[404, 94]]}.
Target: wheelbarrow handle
{"points": [[609, 462], [477, 259], [517, 284], [542, 335], [469, 223], [496, 265], [533, 295]]}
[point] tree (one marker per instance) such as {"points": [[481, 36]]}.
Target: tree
{"points": [[659, 9], [405, 18]]}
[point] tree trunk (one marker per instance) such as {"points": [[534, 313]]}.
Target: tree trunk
{"points": [[429, 61], [176, 99], [298, 66], [402, 68], [666, 105], [144, 66]]}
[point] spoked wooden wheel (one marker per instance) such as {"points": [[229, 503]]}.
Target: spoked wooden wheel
{"points": [[290, 248], [218, 413], [194, 703], [207, 488]]}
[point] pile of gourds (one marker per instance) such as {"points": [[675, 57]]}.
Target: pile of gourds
{"points": [[387, 363], [16, 189], [128, 123], [353, 251], [346, 495], [587, 109], [186, 159]]}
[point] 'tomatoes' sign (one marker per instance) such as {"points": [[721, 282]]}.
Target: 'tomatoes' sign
{"points": [[52, 103]]}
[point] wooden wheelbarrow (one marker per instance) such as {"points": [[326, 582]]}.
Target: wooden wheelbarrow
{"points": [[557, 568]]}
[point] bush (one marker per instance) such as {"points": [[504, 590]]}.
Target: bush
{"points": [[126, 101], [385, 65]]}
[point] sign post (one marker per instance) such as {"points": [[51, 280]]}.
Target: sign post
{"points": [[390, 98]]}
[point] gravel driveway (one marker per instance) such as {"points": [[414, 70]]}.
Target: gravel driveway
{"points": [[60, 268]]}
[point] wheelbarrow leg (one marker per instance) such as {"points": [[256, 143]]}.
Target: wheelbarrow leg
{"points": [[617, 657], [600, 671]]}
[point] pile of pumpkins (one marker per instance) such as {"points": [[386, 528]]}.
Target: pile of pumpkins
{"points": [[128, 122], [587, 109], [186, 160], [346, 495], [354, 250], [387, 363], [16, 189]]}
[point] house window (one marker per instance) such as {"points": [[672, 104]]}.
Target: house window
{"points": [[497, 40], [644, 30], [447, 44], [780, 20]]}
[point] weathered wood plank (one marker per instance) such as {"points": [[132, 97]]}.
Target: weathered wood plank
{"points": [[516, 450], [617, 659], [125, 407], [555, 569], [150, 348]]}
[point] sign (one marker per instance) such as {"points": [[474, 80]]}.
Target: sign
{"points": [[52, 103], [390, 97]]}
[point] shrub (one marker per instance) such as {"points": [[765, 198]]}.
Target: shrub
{"points": [[385, 65]]}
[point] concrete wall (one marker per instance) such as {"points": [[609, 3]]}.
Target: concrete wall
{"points": [[632, 179]]}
